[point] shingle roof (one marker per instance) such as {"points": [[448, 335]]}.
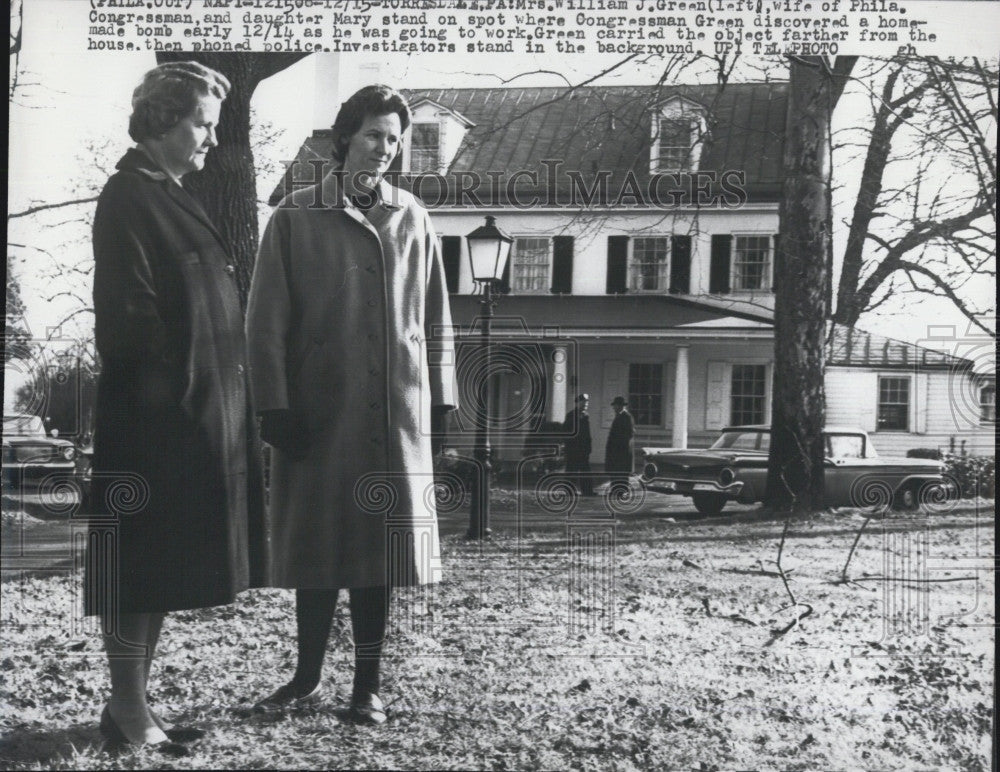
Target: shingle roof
{"points": [[597, 128], [857, 348]]}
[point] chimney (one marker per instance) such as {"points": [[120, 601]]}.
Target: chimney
{"points": [[336, 79]]}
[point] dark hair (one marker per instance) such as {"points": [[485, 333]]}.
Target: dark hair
{"points": [[371, 100], [169, 93]]}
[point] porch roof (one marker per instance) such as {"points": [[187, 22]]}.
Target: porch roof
{"points": [[610, 316]]}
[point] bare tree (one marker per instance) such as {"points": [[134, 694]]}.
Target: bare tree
{"points": [[936, 230], [795, 464], [227, 186]]}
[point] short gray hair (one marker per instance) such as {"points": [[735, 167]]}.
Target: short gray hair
{"points": [[169, 93]]}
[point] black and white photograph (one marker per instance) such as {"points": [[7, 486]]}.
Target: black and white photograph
{"points": [[501, 384]]}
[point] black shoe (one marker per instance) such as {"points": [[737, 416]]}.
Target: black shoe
{"points": [[367, 709], [180, 734], [184, 734], [115, 740], [290, 697]]}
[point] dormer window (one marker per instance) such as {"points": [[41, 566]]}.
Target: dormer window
{"points": [[675, 144], [435, 135], [677, 134], [425, 148]]}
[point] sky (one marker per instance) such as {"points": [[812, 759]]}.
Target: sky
{"points": [[68, 127]]}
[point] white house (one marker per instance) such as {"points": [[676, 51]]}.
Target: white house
{"points": [[644, 222]]}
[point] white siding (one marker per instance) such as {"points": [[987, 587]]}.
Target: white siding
{"points": [[943, 408]]}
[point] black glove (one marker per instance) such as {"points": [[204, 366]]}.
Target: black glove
{"points": [[439, 427], [286, 431]]}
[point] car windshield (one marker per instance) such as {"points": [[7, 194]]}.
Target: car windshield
{"points": [[23, 426], [743, 439], [848, 446]]}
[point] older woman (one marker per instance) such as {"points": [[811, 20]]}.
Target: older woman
{"points": [[348, 296], [177, 484]]}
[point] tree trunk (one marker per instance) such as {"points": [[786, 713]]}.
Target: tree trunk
{"points": [[227, 186], [795, 465]]}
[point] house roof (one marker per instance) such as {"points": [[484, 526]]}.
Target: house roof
{"points": [[857, 348], [591, 131]]}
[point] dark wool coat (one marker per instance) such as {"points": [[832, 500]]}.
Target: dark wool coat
{"points": [[349, 325], [177, 486], [618, 456], [578, 443]]}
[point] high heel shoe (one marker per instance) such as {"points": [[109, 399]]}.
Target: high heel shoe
{"points": [[115, 740]]}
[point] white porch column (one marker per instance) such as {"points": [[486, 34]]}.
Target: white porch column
{"points": [[680, 436], [560, 375]]}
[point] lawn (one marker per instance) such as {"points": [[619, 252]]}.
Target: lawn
{"points": [[645, 642]]}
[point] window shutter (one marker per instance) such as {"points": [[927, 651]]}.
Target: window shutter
{"points": [[717, 402], [680, 264], [865, 387], [617, 281], [504, 287], [562, 264], [718, 276], [919, 403], [774, 263], [615, 382], [451, 256]]}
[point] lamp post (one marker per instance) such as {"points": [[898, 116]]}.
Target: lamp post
{"points": [[489, 248]]}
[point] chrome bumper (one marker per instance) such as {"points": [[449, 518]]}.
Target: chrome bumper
{"points": [[687, 487]]}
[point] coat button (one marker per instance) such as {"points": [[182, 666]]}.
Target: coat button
{"points": [[370, 269], [373, 405], [231, 269], [240, 369], [372, 303], [373, 337], [372, 371]]}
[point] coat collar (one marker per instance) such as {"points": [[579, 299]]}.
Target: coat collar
{"points": [[138, 161], [334, 196]]}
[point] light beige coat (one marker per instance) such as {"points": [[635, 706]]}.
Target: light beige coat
{"points": [[348, 322]]}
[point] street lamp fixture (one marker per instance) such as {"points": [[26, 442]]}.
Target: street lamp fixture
{"points": [[489, 248]]}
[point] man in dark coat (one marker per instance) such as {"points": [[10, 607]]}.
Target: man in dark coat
{"points": [[618, 449], [578, 445]]}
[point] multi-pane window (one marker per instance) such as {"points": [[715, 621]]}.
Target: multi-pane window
{"points": [[649, 263], [674, 145], [748, 394], [425, 149], [645, 393], [988, 404], [530, 271], [894, 403], [752, 263]]}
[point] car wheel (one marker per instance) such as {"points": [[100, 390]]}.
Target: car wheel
{"points": [[709, 503], [907, 499]]}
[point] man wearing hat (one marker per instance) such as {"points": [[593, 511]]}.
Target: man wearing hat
{"points": [[578, 446], [618, 449]]}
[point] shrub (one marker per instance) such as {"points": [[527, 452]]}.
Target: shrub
{"points": [[975, 475]]}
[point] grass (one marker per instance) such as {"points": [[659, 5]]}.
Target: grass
{"points": [[583, 644]]}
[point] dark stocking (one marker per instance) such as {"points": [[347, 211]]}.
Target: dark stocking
{"points": [[313, 614], [369, 612]]}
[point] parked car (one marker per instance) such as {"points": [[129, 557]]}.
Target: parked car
{"points": [[31, 455], [734, 468]]}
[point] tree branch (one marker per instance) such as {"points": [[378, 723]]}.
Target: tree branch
{"points": [[44, 207]]}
